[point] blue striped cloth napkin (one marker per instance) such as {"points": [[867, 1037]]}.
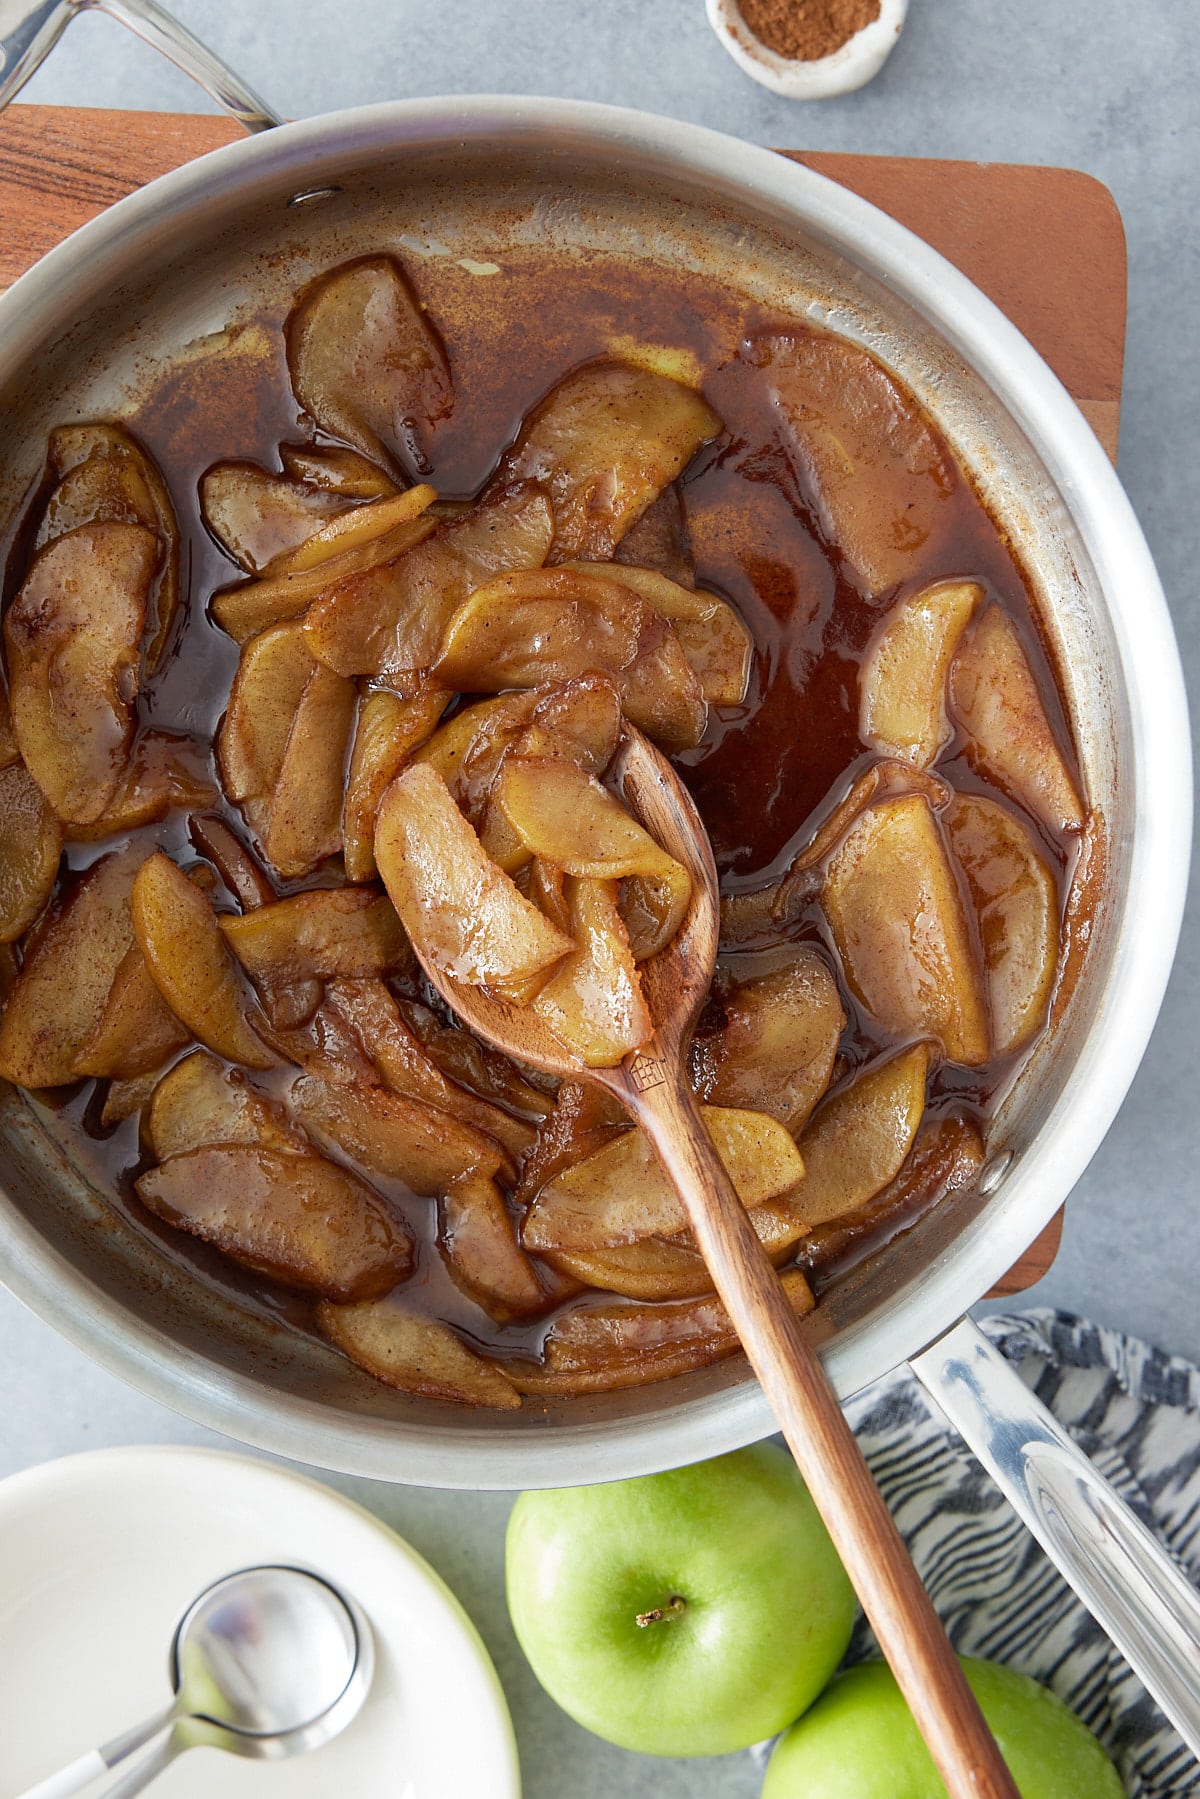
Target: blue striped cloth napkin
{"points": [[1136, 1412]]}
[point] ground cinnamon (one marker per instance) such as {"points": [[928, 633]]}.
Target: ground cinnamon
{"points": [[804, 30]]}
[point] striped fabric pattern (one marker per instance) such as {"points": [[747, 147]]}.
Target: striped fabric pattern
{"points": [[1136, 1412]]}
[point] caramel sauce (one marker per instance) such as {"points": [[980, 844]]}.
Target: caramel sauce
{"points": [[766, 771]]}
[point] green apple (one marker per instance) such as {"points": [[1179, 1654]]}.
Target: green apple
{"points": [[859, 1742], [687, 1613]]}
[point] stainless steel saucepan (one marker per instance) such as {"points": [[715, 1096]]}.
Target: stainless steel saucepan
{"points": [[195, 253]]}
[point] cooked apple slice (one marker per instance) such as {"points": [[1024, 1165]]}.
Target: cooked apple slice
{"points": [[715, 640], [416, 1354], [336, 471], [598, 1344], [191, 964], [562, 815], [996, 700], [305, 816], [293, 1216], [290, 947], [356, 528], [565, 815], [519, 990], [588, 1336], [601, 1348], [857, 1140], [94, 485], [594, 1003], [257, 517], [285, 592], [243, 876], [579, 722], [604, 443], [404, 1139], [104, 476], [125, 1099], [31, 840], [201, 1102], [758, 919], [619, 1193], [9, 753], [548, 625], [547, 889], [325, 933], [468, 749], [394, 624], [291, 1006], [68, 972], [947, 1156], [878, 477], [775, 1049], [653, 1268], [507, 850], [165, 772], [73, 634], [583, 1118], [274, 670], [664, 1267], [327, 1046], [482, 1070], [659, 540], [137, 1031], [480, 1246], [406, 1067], [1015, 899], [387, 731], [653, 911], [902, 687], [461, 911], [10, 969], [367, 364], [900, 926], [102, 489]]}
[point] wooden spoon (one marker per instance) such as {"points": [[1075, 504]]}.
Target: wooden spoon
{"points": [[653, 1086]]}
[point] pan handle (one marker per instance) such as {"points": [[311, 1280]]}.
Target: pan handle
{"points": [[29, 30], [1128, 1581]]}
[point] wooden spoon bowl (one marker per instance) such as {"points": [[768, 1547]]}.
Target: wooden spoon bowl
{"points": [[675, 982], [652, 1085]]}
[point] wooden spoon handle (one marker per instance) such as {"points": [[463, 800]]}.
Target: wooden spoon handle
{"points": [[864, 1533]]}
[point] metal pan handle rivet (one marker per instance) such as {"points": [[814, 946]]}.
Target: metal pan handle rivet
{"points": [[995, 1172], [308, 195]]}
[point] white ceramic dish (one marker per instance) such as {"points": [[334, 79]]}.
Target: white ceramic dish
{"points": [[101, 1553], [851, 66]]}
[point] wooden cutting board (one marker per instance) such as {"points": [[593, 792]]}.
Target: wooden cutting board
{"points": [[1047, 245]]}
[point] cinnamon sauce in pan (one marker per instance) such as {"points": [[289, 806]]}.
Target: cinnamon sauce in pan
{"points": [[765, 772]]}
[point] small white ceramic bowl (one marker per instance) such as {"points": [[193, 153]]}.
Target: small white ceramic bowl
{"points": [[851, 66]]}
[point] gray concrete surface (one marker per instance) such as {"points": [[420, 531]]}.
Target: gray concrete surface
{"points": [[1090, 84]]}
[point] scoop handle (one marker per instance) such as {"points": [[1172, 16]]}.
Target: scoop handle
{"points": [[72, 1779], [137, 1778], [86, 1768], [827, 1454], [1126, 1579]]}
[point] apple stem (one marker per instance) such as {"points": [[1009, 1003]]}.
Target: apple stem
{"points": [[674, 1608]]}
